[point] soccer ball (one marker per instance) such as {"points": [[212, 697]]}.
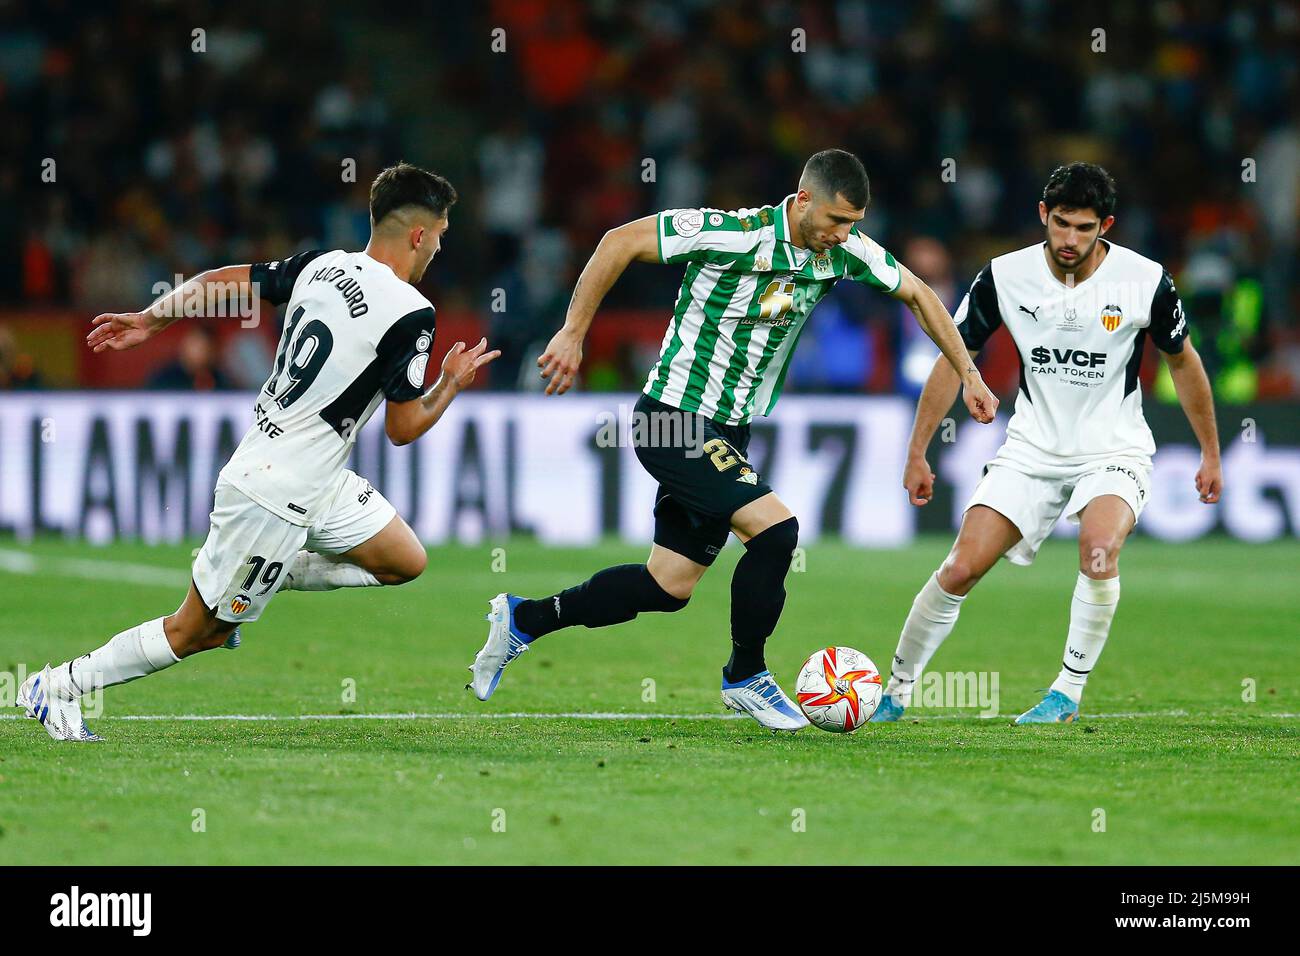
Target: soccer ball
{"points": [[838, 689]]}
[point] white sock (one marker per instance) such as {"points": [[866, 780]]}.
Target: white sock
{"points": [[1091, 611], [134, 653], [319, 572], [933, 614]]}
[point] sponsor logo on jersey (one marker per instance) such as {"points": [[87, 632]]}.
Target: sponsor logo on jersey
{"points": [[762, 264], [240, 603], [1181, 324], [1111, 317], [1032, 313], [1073, 366], [1042, 355], [688, 222], [264, 423], [715, 219]]}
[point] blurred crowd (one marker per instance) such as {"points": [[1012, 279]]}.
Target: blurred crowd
{"points": [[146, 140]]}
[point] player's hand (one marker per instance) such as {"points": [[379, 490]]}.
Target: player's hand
{"points": [[560, 362], [980, 402], [918, 479], [1209, 481], [459, 365], [123, 330]]}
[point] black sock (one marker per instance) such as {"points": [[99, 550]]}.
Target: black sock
{"points": [[611, 596], [757, 596]]}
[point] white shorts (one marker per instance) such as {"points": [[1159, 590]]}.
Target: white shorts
{"points": [[1035, 503], [249, 549]]}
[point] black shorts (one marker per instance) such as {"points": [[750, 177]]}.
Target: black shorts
{"points": [[704, 477]]}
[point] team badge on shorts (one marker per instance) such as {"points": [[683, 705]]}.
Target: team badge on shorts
{"points": [[1111, 317], [748, 477], [240, 603]]}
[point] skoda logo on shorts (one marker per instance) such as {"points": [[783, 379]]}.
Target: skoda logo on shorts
{"points": [[240, 604]]}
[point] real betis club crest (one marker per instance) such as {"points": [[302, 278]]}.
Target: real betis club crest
{"points": [[1111, 317], [823, 267]]}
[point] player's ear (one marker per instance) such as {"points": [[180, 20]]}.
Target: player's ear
{"points": [[1106, 224], [1042, 212], [417, 237]]}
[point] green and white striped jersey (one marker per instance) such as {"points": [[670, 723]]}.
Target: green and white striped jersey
{"points": [[744, 299]]}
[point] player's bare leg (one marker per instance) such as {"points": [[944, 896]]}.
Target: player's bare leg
{"points": [[984, 537], [675, 573], [193, 628], [1104, 526], [770, 533], [390, 557]]}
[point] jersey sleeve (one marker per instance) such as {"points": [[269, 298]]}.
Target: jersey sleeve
{"points": [[865, 260], [1168, 326], [701, 235], [274, 280], [404, 355], [979, 315]]}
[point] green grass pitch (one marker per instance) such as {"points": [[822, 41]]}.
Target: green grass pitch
{"points": [[1199, 776]]}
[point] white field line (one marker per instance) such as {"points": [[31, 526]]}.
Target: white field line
{"points": [[121, 572], [581, 715]]}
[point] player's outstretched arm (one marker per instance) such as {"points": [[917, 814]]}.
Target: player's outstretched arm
{"points": [[637, 240], [126, 330], [1194, 394], [936, 398], [406, 421], [935, 322]]}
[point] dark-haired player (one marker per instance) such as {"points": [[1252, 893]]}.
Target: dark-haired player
{"points": [[1080, 309], [288, 515], [752, 277]]}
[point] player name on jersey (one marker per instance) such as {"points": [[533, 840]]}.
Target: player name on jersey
{"points": [[348, 286]]}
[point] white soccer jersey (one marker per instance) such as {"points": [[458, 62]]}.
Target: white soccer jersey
{"points": [[1080, 348], [354, 333]]}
